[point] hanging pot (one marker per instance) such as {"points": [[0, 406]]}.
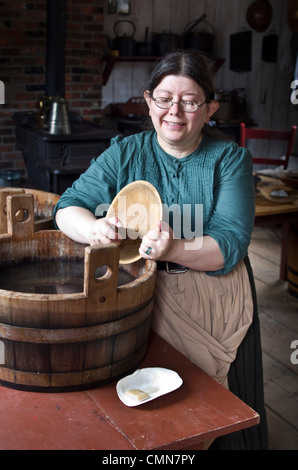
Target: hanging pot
{"points": [[292, 15], [259, 15], [270, 47], [126, 45], [201, 40], [165, 42]]}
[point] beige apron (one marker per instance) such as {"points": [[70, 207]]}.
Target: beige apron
{"points": [[204, 317]]}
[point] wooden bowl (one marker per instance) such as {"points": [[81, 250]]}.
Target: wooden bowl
{"points": [[138, 205], [290, 178], [272, 193]]}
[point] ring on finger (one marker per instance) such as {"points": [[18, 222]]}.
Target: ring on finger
{"points": [[148, 250]]}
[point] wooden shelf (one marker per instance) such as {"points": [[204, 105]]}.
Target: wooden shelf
{"points": [[111, 59]]}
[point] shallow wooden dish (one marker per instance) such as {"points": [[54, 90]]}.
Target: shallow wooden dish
{"points": [[290, 178], [138, 205], [268, 192]]}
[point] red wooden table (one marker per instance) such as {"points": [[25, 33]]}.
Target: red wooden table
{"points": [[96, 419]]}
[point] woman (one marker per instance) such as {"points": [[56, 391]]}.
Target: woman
{"points": [[204, 302]]}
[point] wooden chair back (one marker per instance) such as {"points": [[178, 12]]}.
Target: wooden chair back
{"points": [[269, 134]]}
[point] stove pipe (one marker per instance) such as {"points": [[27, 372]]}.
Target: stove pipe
{"points": [[55, 53]]}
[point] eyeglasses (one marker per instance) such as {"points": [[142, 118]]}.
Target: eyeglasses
{"points": [[186, 106]]}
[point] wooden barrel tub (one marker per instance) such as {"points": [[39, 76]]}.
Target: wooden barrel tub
{"points": [[69, 340], [44, 204]]}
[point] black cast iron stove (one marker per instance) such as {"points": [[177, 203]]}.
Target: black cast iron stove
{"points": [[53, 162]]}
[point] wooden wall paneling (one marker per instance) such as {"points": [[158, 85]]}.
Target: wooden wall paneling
{"points": [[282, 79], [140, 76], [225, 24], [179, 14], [260, 89], [280, 83], [107, 94], [196, 9], [210, 9], [260, 105], [109, 21], [278, 96], [123, 81], [161, 15], [142, 16]]}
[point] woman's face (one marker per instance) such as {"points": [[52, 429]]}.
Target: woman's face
{"points": [[175, 128]]}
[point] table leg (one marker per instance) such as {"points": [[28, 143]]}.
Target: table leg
{"points": [[284, 248]]}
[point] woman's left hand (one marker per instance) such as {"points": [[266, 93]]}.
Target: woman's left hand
{"points": [[200, 254], [157, 244]]}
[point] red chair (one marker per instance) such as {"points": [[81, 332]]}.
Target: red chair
{"points": [[269, 134], [287, 136]]}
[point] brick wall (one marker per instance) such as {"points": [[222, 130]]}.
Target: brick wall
{"points": [[22, 64]]}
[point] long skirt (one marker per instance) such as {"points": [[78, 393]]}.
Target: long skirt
{"points": [[213, 320]]}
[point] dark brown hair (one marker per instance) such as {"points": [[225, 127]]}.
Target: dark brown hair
{"points": [[189, 63]]}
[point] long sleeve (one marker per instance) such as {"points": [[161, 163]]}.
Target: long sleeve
{"points": [[232, 219]]}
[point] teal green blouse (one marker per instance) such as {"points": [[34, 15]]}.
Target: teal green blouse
{"points": [[217, 178]]}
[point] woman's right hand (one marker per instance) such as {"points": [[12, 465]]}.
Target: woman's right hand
{"points": [[106, 231], [81, 225]]}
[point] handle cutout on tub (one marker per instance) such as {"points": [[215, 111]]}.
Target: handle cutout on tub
{"points": [[4, 193], [101, 273], [20, 215]]}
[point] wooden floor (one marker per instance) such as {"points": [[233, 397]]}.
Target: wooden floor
{"points": [[278, 311]]}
